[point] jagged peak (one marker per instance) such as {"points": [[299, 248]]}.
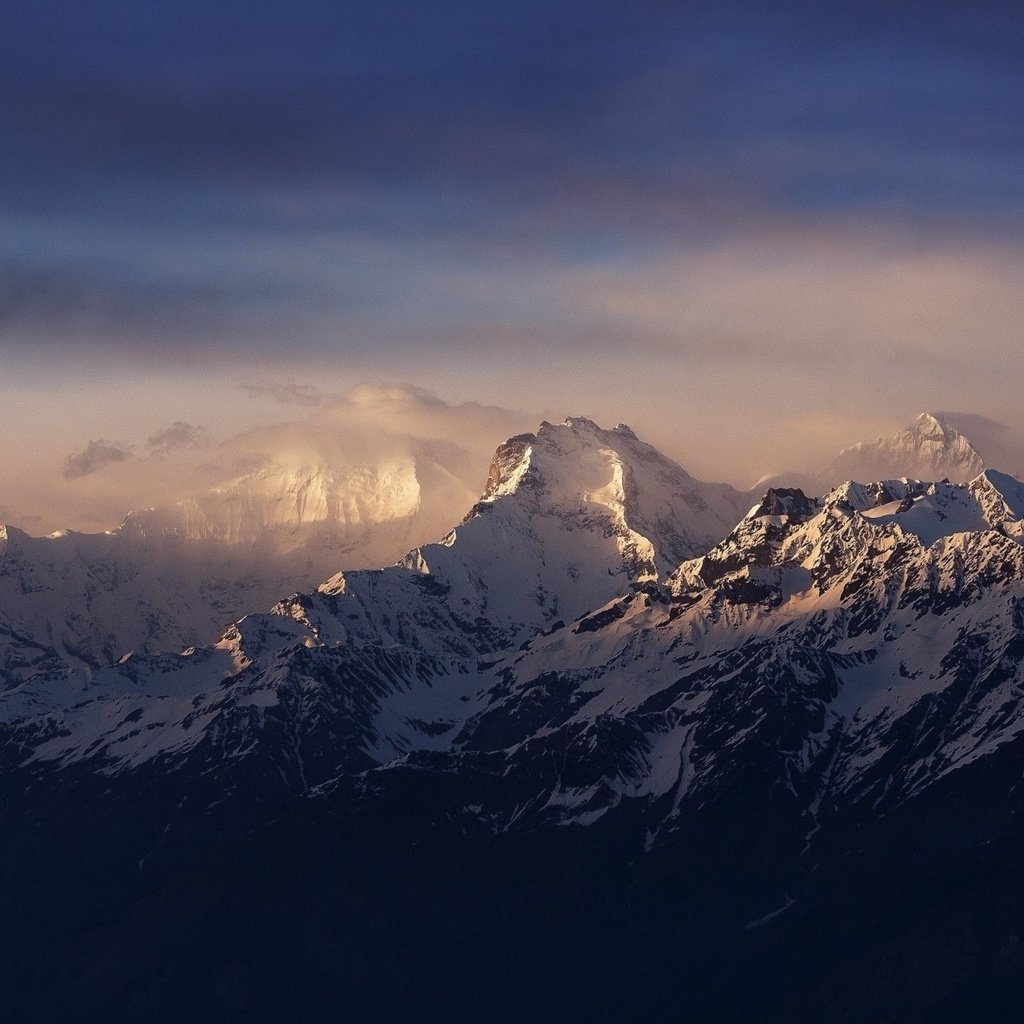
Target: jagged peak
{"points": [[790, 502], [579, 423], [929, 423], [929, 448], [831, 535], [557, 456], [1007, 490], [926, 427], [583, 425], [998, 479], [513, 460], [862, 496], [605, 481]]}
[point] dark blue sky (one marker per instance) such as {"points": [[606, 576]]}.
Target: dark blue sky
{"points": [[446, 190]]}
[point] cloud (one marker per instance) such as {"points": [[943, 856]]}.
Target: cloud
{"points": [[277, 198], [101, 452], [372, 421], [287, 393], [810, 299], [65, 299], [645, 212], [178, 435], [94, 456], [400, 410], [369, 432]]}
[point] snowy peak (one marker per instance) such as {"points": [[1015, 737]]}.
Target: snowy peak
{"points": [[991, 503], [930, 511], [554, 456], [930, 448], [928, 426], [869, 498], [827, 541], [581, 473], [571, 517], [283, 506], [1000, 495]]}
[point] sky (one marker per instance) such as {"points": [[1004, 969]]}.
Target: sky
{"points": [[754, 232]]}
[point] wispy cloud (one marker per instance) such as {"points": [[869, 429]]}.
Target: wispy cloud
{"points": [[78, 298], [94, 456], [178, 435], [851, 295], [370, 429], [286, 393]]}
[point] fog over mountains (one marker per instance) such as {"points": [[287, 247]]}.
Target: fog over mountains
{"points": [[741, 751]]}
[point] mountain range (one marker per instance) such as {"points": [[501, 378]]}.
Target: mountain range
{"points": [[622, 745], [175, 576]]}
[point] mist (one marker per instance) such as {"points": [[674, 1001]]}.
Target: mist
{"points": [[95, 484]]}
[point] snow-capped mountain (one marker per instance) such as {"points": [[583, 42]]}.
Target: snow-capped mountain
{"points": [[598, 688], [319, 512], [571, 517], [930, 448], [815, 634], [82, 600], [570, 601], [177, 575]]}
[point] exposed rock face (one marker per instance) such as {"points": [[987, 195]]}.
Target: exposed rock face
{"points": [[790, 502]]}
